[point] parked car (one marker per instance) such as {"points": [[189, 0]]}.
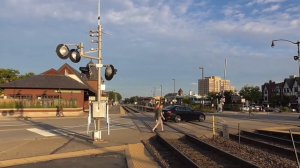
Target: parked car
{"points": [[255, 108], [178, 113], [245, 108]]}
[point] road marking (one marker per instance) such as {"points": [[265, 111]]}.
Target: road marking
{"points": [[14, 125], [41, 132]]}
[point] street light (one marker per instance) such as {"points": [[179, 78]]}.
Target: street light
{"points": [[295, 58], [174, 84], [202, 72], [161, 90]]}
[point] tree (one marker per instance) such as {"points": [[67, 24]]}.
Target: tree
{"points": [[115, 96], [10, 75], [186, 100], [131, 100], [228, 96], [27, 75], [251, 93]]}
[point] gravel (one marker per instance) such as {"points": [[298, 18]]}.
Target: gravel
{"points": [[208, 159], [261, 158], [162, 154]]}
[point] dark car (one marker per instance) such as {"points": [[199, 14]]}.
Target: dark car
{"points": [[178, 113]]}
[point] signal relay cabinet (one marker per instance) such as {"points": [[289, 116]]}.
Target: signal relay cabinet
{"points": [[99, 111]]}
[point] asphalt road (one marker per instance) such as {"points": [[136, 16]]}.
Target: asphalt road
{"points": [[12, 130]]}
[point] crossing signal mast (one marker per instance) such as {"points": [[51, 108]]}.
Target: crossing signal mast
{"points": [[99, 109]]}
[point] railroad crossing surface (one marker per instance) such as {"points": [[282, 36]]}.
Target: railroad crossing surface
{"points": [[61, 142]]}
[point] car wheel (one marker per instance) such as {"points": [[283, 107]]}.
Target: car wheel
{"points": [[177, 118], [201, 118]]}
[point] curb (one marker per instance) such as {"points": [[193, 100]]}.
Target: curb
{"points": [[136, 156], [30, 160]]}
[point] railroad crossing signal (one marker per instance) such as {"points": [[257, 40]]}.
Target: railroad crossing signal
{"points": [[110, 71], [63, 52], [75, 54]]}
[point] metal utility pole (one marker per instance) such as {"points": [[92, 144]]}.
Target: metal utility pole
{"points": [[202, 72], [174, 84], [161, 90], [225, 69], [98, 130]]}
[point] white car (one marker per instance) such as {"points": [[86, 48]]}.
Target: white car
{"points": [[245, 108]]}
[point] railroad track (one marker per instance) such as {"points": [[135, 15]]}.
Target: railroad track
{"points": [[271, 138], [194, 152], [280, 146], [272, 144]]}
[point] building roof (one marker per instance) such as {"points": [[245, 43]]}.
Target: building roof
{"points": [[46, 82], [93, 72], [289, 82], [80, 76]]}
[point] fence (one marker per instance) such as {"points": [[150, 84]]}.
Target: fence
{"points": [[37, 103]]}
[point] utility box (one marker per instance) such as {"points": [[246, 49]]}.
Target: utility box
{"points": [[99, 111]]}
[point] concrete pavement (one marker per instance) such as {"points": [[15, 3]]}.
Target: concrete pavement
{"points": [[124, 140]]}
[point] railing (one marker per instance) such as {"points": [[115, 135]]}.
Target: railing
{"points": [[42, 103]]}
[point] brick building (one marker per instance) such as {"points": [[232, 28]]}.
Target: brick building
{"points": [[64, 87], [213, 84], [288, 88]]}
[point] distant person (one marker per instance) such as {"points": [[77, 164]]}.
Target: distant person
{"points": [[59, 111], [250, 111], [158, 116]]}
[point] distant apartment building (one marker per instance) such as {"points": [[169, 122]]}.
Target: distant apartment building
{"points": [[289, 87], [213, 84]]}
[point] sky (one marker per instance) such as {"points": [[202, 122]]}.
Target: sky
{"points": [[152, 42]]}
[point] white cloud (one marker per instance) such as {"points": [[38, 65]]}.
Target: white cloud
{"points": [[180, 33], [272, 8], [264, 2], [183, 7], [249, 27], [293, 9], [233, 12], [295, 23], [34, 9]]}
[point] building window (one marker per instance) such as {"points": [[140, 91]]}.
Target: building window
{"points": [[295, 89]]}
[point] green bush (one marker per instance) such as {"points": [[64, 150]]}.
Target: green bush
{"points": [[232, 107], [285, 109], [201, 108]]}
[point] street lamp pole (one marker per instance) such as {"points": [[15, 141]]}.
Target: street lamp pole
{"points": [[161, 90], [202, 72], [296, 58], [174, 84]]}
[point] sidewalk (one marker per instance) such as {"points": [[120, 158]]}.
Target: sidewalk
{"points": [[119, 144]]}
